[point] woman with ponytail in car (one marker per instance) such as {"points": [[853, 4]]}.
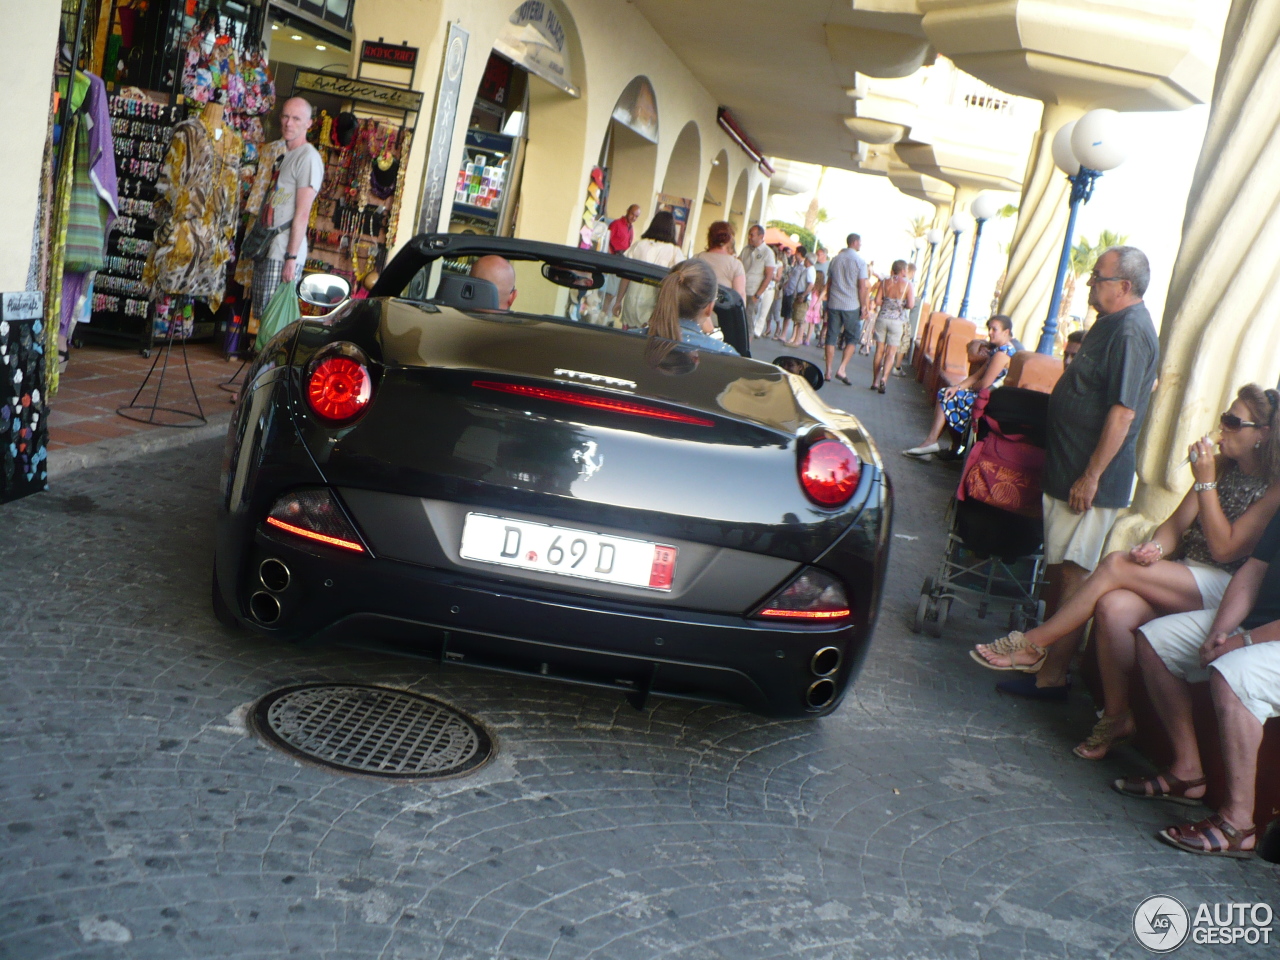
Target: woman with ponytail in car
{"points": [[685, 304]]}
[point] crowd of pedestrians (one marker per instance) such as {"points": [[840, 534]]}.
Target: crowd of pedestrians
{"points": [[1199, 600]]}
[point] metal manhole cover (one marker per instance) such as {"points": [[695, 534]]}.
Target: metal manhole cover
{"points": [[375, 731]]}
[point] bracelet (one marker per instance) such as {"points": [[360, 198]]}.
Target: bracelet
{"points": [[1199, 487], [1159, 546], [1247, 637]]}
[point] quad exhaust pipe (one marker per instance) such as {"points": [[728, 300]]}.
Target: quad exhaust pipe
{"points": [[820, 693], [264, 607], [825, 662]]}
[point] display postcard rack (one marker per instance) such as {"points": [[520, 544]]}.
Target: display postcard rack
{"points": [[122, 308]]}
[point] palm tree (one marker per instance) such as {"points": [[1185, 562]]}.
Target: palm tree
{"points": [[1083, 257], [814, 215]]}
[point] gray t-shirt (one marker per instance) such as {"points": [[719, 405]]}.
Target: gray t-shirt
{"points": [[301, 167], [1117, 364], [846, 269]]}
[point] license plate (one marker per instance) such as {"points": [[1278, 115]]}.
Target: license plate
{"points": [[569, 552]]}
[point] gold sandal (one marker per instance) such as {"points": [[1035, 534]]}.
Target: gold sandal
{"points": [[1013, 642], [1103, 735]]}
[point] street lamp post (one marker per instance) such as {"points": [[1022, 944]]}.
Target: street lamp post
{"points": [[959, 224], [1083, 150], [934, 237], [983, 208]]}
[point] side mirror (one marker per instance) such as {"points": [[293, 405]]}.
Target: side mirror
{"points": [[810, 371], [323, 289]]}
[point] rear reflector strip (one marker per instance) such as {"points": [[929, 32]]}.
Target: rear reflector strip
{"points": [[312, 535], [608, 404], [804, 614]]}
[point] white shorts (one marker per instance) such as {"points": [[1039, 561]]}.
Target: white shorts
{"points": [[1071, 537], [1210, 581], [1252, 673]]}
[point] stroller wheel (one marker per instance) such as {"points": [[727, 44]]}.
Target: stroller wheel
{"points": [[922, 608], [940, 618]]}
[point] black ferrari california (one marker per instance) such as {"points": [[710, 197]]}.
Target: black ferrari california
{"points": [[495, 474]]}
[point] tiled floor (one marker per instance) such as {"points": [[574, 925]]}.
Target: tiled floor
{"points": [[101, 379]]}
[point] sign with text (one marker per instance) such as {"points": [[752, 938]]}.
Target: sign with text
{"points": [[439, 175], [389, 53], [363, 91], [22, 305]]}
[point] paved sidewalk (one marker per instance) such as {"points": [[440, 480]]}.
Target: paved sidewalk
{"points": [[927, 818]]}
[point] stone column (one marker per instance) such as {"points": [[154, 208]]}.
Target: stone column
{"points": [[1037, 237], [1222, 319]]}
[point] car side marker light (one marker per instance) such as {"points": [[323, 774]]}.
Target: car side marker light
{"points": [[608, 404], [315, 515]]}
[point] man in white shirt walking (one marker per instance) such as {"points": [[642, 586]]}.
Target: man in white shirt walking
{"points": [[760, 265]]}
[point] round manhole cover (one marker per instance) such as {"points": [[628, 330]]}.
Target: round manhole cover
{"points": [[375, 731]]}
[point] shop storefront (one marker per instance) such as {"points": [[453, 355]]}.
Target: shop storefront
{"points": [[163, 141]]}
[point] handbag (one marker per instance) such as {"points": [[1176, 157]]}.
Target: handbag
{"points": [[258, 238]]}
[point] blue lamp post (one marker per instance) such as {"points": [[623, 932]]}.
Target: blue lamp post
{"points": [[959, 224], [1083, 150], [983, 208]]}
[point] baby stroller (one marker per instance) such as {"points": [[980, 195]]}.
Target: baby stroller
{"points": [[994, 534]]}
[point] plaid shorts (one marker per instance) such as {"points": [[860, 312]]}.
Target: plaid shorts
{"points": [[266, 278]]}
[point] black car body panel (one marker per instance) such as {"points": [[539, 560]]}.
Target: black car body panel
{"points": [[438, 442]]}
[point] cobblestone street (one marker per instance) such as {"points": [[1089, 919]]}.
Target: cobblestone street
{"points": [[927, 818]]}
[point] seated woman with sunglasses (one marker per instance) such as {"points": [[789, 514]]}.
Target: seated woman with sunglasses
{"points": [[1212, 532]]}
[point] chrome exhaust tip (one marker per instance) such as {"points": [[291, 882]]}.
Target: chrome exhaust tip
{"points": [[820, 693], [264, 608], [274, 575], [825, 662]]}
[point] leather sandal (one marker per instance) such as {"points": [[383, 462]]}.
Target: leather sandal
{"points": [[1013, 642], [1103, 737], [1162, 786], [1212, 836]]}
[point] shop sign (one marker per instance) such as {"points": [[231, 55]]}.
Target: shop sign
{"points": [[637, 109], [348, 88], [534, 38], [22, 305], [389, 53], [438, 175]]}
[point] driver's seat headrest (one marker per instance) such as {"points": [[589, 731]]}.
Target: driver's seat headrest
{"points": [[466, 293]]}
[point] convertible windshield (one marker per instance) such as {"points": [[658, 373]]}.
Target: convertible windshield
{"points": [[583, 293]]}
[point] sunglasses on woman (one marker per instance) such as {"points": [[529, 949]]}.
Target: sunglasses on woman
{"points": [[1231, 422]]}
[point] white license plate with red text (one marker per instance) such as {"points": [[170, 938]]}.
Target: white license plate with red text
{"points": [[569, 552]]}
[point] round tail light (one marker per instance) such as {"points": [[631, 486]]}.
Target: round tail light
{"points": [[339, 389], [829, 473]]}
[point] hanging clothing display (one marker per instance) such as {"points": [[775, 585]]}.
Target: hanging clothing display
{"points": [[268, 154], [197, 207], [93, 205]]}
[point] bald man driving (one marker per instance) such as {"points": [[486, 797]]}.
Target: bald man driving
{"points": [[498, 271]]}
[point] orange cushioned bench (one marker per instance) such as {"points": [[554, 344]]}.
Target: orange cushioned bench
{"points": [[951, 364], [931, 333], [1033, 371]]}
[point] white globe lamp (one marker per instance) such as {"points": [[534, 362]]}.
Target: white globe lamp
{"points": [[984, 206], [934, 236], [1098, 140], [960, 222], [1063, 156]]}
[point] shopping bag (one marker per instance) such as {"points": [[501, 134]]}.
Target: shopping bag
{"points": [[280, 312]]}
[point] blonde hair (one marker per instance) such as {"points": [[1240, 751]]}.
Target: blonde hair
{"points": [[684, 293]]}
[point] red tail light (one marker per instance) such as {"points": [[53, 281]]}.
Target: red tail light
{"points": [[814, 595], [610, 404], [339, 387], [314, 515], [829, 472]]}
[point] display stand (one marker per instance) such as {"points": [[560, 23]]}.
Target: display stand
{"points": [[147, 412]]}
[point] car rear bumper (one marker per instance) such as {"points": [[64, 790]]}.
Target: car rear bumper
{"points": [[634, 648]]}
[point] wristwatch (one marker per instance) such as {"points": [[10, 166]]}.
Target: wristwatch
{"points": [[1247, 638], [1211, 485], [294, 256]]}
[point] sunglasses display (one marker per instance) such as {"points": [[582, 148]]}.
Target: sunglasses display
{"points": [[1230, 421]]}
